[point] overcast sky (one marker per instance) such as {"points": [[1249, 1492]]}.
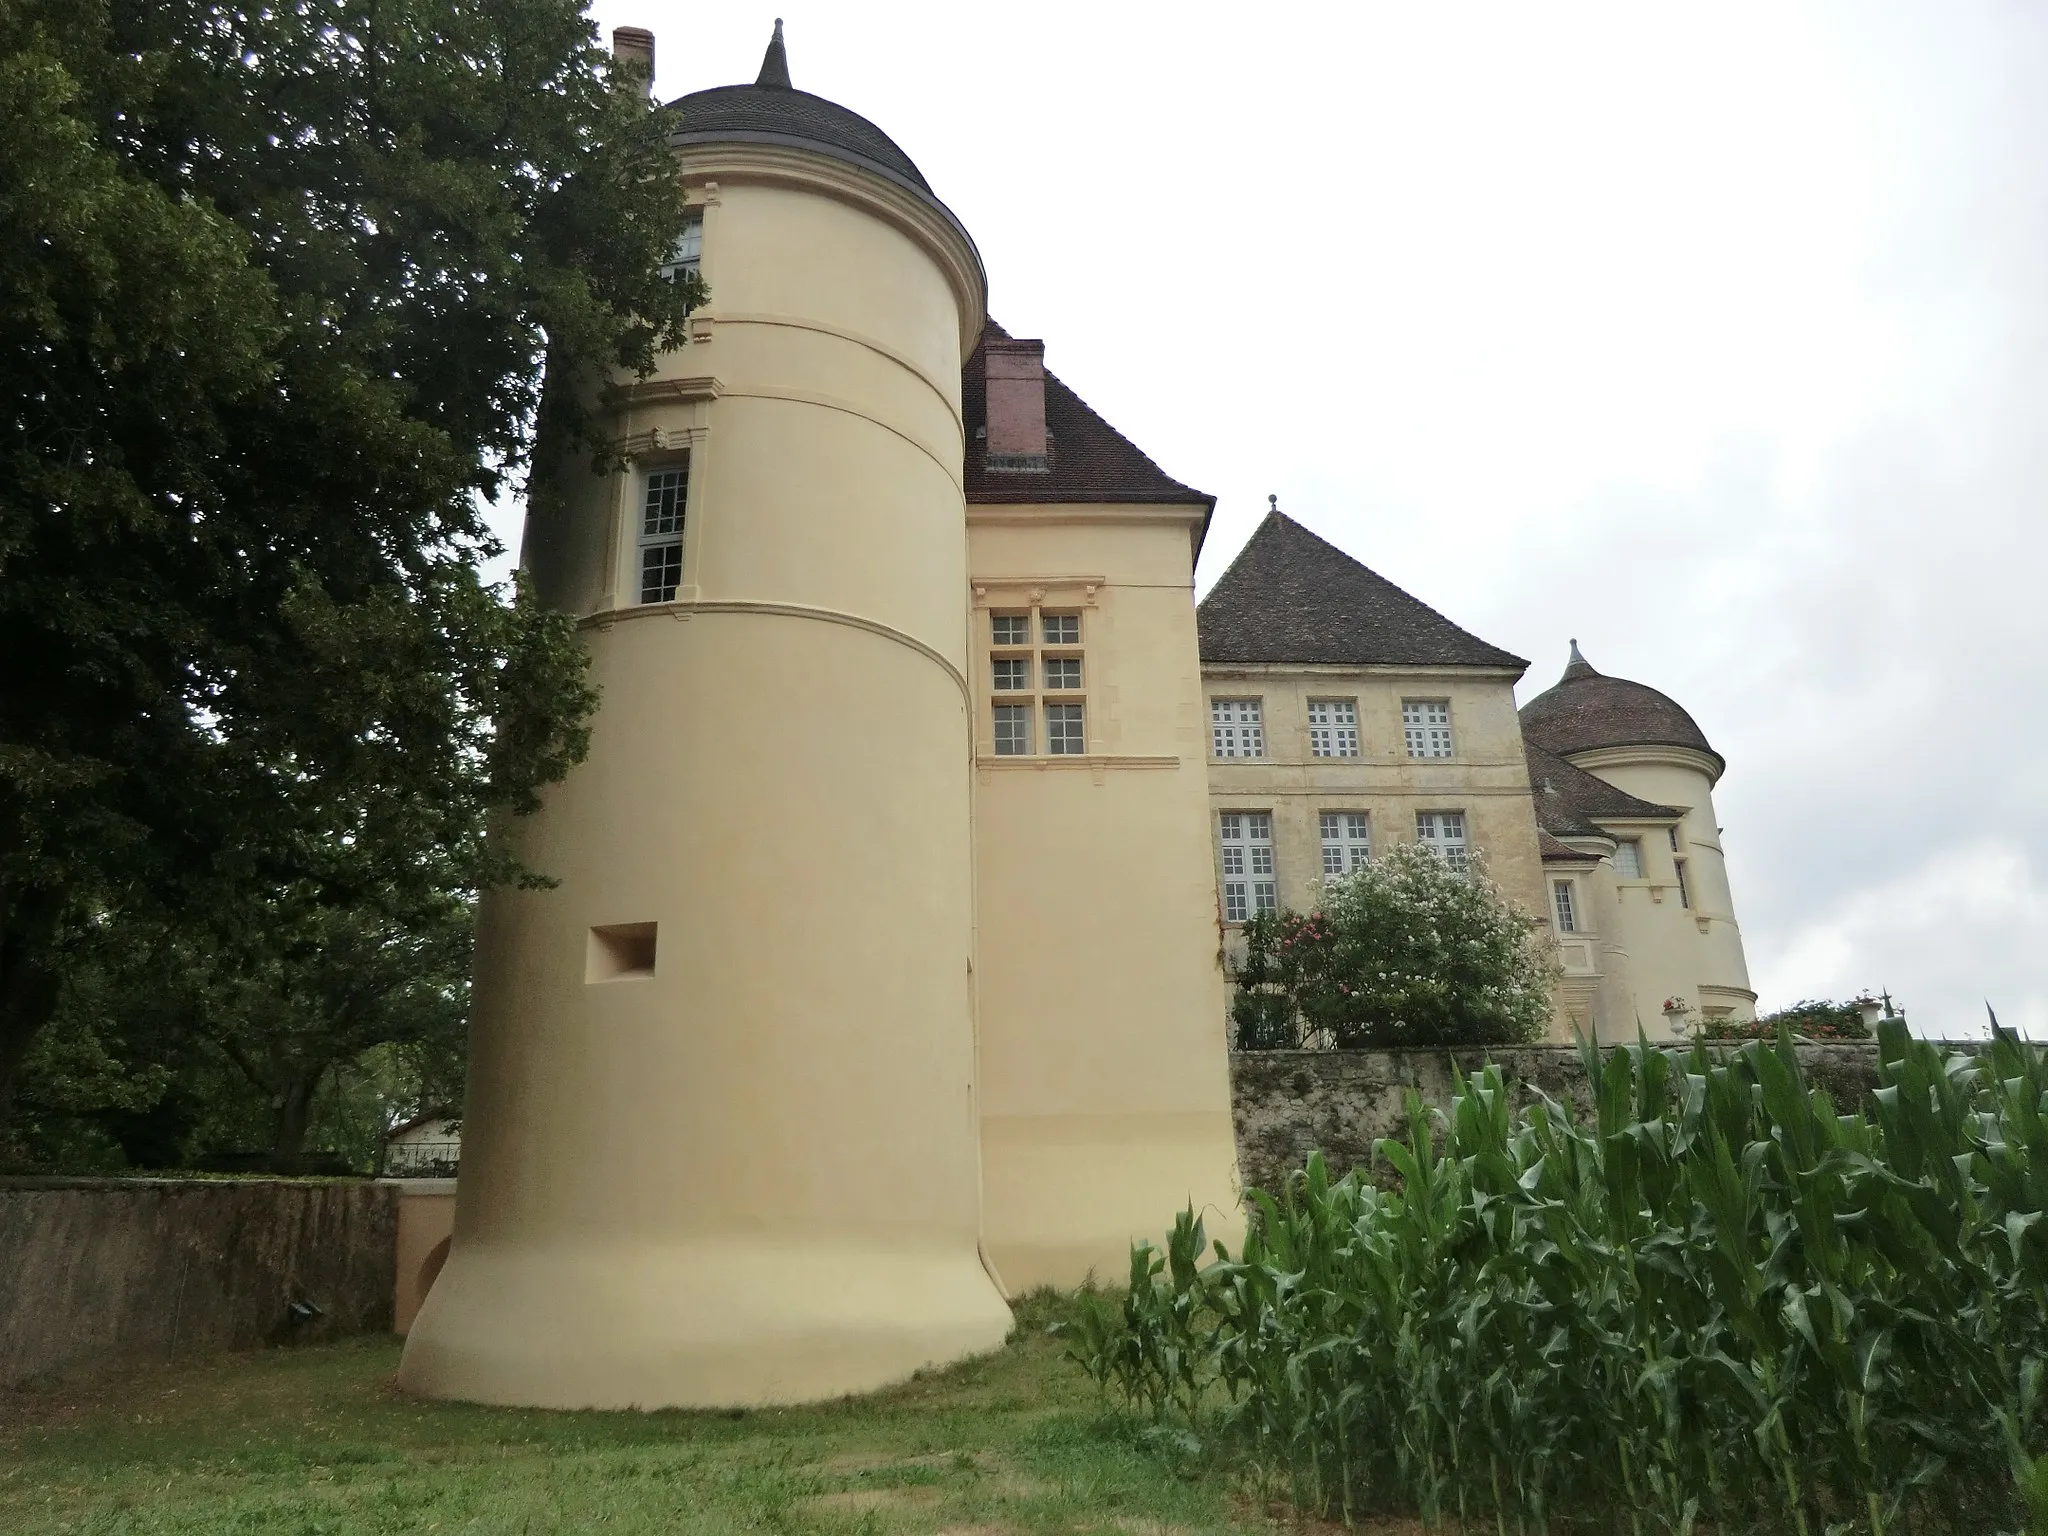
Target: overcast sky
{"points": [[1715, 336]]}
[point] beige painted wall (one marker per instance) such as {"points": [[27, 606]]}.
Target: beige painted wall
{"points": [[426, 1227], [1596, 994], [1686, 946], [750, 1175], [1105, 1082]]}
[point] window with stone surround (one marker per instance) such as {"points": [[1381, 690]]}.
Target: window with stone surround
{"points": [[1426, 724], [1332, 728], [1347, 841], [1443, 834], [1237, 728], [1245, 841]]}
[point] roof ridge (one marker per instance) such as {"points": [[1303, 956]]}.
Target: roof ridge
{"points": [[1290, 595]]}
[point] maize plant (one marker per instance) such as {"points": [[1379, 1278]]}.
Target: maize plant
{"points": [[1717, 1302]]}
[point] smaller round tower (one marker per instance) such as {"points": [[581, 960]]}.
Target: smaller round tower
{"points": [[1670, 898]]}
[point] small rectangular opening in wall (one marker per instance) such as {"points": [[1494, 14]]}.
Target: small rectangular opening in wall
{"points": [[620, 952]]}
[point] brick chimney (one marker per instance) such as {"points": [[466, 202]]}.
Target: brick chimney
{"points": [[633, 51], [1016, 406]]}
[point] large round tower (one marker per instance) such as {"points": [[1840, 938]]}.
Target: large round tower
{"points": [[1674, 911], [720, 1139]]}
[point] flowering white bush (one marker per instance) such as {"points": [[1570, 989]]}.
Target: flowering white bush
{"points": [[1405, 950]]}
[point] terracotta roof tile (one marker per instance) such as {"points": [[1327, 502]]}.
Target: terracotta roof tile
{"points": [[1292, 597]]}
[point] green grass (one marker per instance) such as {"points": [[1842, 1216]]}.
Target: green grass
{"points": [[314, 1442]]}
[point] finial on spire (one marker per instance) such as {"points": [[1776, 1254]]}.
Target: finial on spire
{"points": [[1578, 666], [1272, 503], [775, 63]]}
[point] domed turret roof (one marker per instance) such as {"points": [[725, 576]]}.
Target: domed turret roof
{"points": [[1587, 710], [772, 111]]}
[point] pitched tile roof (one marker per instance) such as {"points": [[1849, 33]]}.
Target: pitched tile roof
{"points": [[1571, 802], [1586, 710], [1551, 851], [771, 111], [1291, 597], [1090, 459]]}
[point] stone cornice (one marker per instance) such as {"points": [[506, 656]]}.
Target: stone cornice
{"points": [[1043, 513], [1232, 670], [1594, 758]]}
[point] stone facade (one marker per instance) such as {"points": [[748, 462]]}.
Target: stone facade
{"points": [[1291, 1103]]}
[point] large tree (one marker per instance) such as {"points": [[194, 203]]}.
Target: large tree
{"points": [[282, 289]]}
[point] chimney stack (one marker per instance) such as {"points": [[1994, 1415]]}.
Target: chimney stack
{"points": [[633, 52], [1016, 406]]}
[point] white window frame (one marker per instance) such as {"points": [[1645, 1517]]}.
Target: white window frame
{"points": [[1251, 882], [1047, 663], [1443, 833], [660, 524], [1017, 669], [1066, 729], [1009, 629], [688, 255], [1059, 628], [1237, 727], [1347, 841], [1426, 727], [1333, 727], [1564, 905], [1684, 886], [1018, 718], [1628, 858]]}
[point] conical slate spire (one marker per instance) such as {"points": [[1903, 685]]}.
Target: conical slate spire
{"points": [[775, 63], [1578, 666]]}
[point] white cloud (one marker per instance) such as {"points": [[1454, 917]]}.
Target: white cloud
{"points": [[1955, 925]]}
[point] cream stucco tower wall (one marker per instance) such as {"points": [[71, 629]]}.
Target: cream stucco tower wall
{"points": [[1106, 1070], [747, 1171], [1665, 914]]}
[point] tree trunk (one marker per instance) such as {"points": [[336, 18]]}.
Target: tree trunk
{"points": [[28, 998], [292, 1114]]}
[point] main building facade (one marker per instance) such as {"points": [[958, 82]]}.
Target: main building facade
{"points": [[885, 972]]}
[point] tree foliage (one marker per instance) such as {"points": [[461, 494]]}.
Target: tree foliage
{"points": [[283, 292], [1813, 1019], [1405, 950]]}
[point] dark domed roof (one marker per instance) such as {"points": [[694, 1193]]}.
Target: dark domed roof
{"points": [[1586, 711], [771, 111]]}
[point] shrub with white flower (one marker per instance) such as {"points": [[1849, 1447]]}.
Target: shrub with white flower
{"points": [[1406, 950]]}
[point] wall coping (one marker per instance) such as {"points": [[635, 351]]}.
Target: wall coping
{"points": [[421, 1186], [177, 1181]]}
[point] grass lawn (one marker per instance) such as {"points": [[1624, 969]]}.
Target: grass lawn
{"points": [[314, 1440]]}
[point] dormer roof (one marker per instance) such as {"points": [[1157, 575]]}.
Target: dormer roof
{"points": [[1290, 597], [1571, 802]]}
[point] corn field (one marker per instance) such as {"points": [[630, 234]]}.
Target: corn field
{"points": [[1720, 1305]]}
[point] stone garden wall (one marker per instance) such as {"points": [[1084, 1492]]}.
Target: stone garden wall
{"points": [[98, 1273], [1291, 1103]]}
